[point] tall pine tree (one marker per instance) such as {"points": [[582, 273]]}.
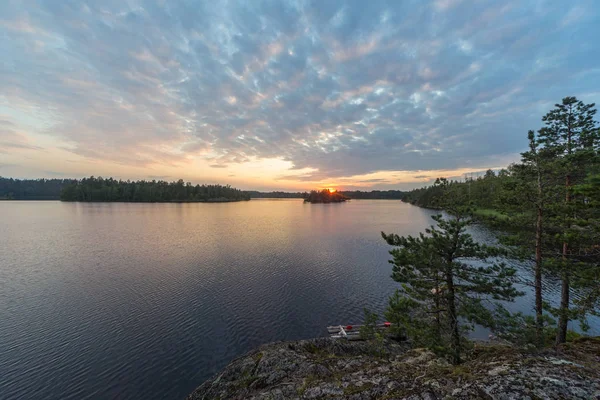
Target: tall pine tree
{"points": [[448, 276], [571, 138]]}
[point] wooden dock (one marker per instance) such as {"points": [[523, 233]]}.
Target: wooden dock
{"points": [[352, 332]]}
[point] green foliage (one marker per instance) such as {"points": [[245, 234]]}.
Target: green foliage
{"points": [[99, 189], [522, 329], [411, 320], [482, 192], [32, 189], [447, 279], [351, 194], [325, 196], [548, 207], [374, 194], [571, 140], [369, 327], [276, 195], [369, 331]]}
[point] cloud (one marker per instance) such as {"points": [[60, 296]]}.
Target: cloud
{"points": [[334, 87], [12, 140]]}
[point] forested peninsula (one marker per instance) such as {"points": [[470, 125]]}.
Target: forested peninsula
{"points": [[107, 190], [546, 208], [32, 189]]}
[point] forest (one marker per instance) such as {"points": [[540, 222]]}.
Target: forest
{"points": [[32, 189], [546, 209], [373, 194], [351, 194], [50, 189], [276, 195], [99, 189]]}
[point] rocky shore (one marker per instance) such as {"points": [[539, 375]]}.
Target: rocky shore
{"points": [[326, 368]]}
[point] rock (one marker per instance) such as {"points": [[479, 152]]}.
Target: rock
{"points": [[313, 393], [498, 370], [335, 369]]}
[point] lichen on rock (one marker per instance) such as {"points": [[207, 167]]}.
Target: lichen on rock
{"points": [[326, 368]]}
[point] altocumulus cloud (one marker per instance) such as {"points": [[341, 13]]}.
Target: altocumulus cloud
{"points": [[343, 88]]}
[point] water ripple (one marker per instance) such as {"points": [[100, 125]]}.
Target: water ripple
{"points": [[148, 300]]}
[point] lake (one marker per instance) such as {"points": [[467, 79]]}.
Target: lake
{"points": [[118, 300]]}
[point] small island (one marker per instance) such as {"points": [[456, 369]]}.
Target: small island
{"points": [[325, 196]]}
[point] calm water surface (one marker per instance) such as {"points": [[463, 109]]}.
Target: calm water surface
{"points": [[116, 300]]}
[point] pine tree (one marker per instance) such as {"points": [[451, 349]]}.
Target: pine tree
{"points": [[589, 294], [448, 277], [571, 137], [527, 192]]}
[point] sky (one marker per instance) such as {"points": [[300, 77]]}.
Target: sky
{"points": [[285, 95]]}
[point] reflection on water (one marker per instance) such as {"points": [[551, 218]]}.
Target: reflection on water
{"points": [[148, 300]]}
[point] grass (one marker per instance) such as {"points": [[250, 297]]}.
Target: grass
{"points": [[351, 389], [490, 213], [308, 381]]}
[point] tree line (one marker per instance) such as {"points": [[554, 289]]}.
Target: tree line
{"points": [[32, 189], [100, 189], [352, 194], [547, 207], [50, 189], [374, 194], [276, 195]]}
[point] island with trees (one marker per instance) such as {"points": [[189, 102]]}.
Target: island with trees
{"points": [[112, 190], [325, 196]]}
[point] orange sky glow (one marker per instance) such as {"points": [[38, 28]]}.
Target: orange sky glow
{"points": [[289, 95]]}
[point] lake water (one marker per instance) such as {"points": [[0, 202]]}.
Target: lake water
{"points": [[117, 300]]}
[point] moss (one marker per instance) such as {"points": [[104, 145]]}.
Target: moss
{"points": [[397, 394], [352, 389], [489, 352], [311, 348], [308, 381], [246, 380], [463, 372]]}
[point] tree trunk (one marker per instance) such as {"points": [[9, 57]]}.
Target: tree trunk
{"points": [[539, 322], [539, 311], [452, 315], [438, 319], [563, 319]]}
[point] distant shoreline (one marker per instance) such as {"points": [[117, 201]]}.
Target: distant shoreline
{"points": [[165, 201], [112, 190], [120, 201], [205, 201]]}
